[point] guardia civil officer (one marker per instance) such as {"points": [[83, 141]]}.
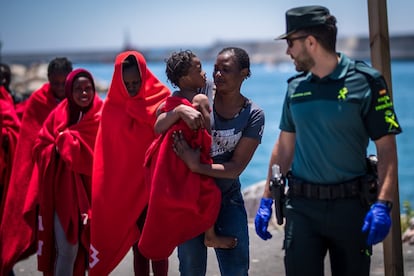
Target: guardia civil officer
{"points": [[332, 108]]}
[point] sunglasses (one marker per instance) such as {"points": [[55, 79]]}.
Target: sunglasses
{"points": [[290, 40]]}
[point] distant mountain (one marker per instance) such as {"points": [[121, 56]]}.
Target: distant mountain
{"points": [[269, 51]]}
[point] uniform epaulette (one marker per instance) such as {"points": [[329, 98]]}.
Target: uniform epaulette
{"points": [[373, 76], [364, 68], [302, 74]]}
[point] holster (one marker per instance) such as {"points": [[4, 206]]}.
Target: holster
{"points": [[370, 183], [277, 188]]}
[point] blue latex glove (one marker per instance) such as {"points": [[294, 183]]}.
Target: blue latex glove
{"points": [[262, 218], [377, 222]]}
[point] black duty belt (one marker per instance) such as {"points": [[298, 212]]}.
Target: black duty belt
{"points": [[301, 188]]}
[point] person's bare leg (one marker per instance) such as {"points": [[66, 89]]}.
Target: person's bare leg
{"points": [[213, 240]]}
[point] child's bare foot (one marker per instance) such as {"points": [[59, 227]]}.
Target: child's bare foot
{"points": [[220, 242]]}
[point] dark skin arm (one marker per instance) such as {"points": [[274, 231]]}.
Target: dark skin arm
{"points": [[192, 117], [232, 169]]}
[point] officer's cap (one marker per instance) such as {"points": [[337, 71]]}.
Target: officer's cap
{"points": [[304, 17]]}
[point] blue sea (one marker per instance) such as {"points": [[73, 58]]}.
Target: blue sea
{"points": [[267, 86]]}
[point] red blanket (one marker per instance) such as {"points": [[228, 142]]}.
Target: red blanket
{"points": [[19, 107], [17, 236], [182, 204], [119, 194], [61, 182], [5, 95], [9, 126]]}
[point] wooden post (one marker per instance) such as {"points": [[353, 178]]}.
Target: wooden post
{"points": [[380, 58]]}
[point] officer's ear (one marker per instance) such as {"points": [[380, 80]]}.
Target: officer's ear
{"points": [[311, 40]]}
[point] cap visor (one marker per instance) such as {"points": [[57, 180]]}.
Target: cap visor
{"points": [[284, 36]]}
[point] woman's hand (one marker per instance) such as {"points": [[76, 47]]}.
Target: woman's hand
{"points": [[191, 157], [192, 117]]}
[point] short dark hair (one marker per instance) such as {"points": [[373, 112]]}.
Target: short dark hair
{"points": [[325, 34], [59, 65], [178, 65], [241, 56]]}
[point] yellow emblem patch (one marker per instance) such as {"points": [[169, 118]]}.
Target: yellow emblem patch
{"points": [[342, 93]]}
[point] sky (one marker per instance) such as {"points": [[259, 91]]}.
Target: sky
{"points": [[35, 26]]}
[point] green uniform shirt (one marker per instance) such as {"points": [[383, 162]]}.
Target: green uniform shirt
{"points": [[334, 118]]}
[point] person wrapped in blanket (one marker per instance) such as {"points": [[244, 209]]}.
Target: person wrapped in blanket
{"points": [[17, 233], [120, 195], [9, 126], [60, 188]]}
